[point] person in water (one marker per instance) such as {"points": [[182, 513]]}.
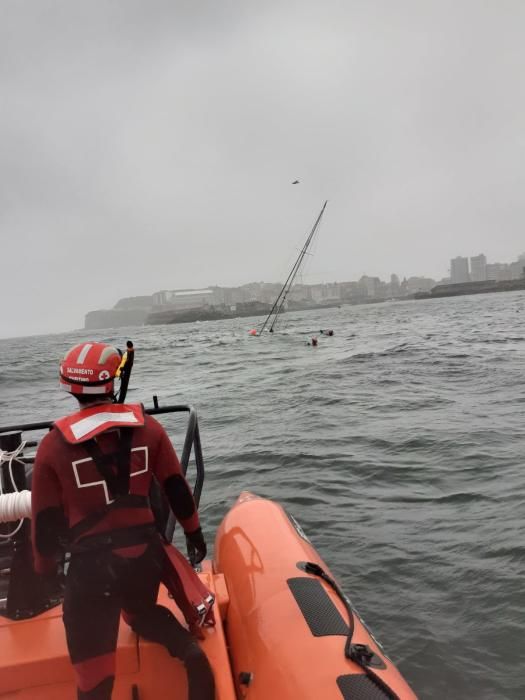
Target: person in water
{"points": [[91, 479], [124, 370], [327, 332]]}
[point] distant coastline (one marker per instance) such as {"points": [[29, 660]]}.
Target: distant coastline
{"points": [[213, 304], [113, 318], [206, 313], [212, 313], [466, 288], [257, 298]]}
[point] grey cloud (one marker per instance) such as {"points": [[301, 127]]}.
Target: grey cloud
{"points": [[152, 145]]}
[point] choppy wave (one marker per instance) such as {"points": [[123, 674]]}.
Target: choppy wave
{"points": [[397, 444]]}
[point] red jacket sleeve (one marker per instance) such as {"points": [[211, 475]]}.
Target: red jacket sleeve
{"points": [[47, 515], [168, 472]]}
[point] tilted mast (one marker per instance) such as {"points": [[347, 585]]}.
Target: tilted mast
{"points": [[279, 302]]}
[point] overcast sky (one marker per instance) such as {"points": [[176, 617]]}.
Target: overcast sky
{"points": [[151, 145]]}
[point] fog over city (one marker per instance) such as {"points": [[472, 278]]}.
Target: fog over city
{"points": [[153, 145]]}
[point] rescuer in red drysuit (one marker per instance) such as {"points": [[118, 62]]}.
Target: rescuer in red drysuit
{"points": [[90, 486]]}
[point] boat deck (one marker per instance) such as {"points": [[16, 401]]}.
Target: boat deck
{"points": [[35, 665]]}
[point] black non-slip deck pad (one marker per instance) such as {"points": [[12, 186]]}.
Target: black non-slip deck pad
{"points": [[358, 686], [321, 615]]}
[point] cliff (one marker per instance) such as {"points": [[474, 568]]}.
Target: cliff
{"points": [[113, 318], [143, 302], [207, 313], [128, 311]]}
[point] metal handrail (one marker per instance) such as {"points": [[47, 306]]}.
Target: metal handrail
{"points": [[24, 597], [192, 439]]}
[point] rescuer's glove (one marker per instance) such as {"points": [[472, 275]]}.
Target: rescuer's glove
{"points": [[196, 546]]}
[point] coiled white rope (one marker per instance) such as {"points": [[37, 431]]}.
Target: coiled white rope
{"points": [[17, 505]]}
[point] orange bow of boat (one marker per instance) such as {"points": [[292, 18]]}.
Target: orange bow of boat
{"points": [[280, 631]]}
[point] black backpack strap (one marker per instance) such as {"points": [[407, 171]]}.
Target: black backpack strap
{"points": [[117, 481], [116, 539], [129, 501], [123, 459]]}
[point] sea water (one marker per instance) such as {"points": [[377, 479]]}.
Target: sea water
{"points": [[397, 444]]}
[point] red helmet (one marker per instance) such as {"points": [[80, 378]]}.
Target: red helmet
{"points": [[89, 368]]}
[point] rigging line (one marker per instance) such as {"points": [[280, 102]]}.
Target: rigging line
{"points": [[291, 277], [279, 302], [289, 281], [295, 266]]}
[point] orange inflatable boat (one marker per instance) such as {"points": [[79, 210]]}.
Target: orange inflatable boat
{"points": [[284, 630]]}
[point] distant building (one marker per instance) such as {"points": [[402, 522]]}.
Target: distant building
{"points": [[300, 293], [478, 268], [184, 298], [498, 271], [459, 270], [265, 292], [351, 291], [228, 296], [395, 285], [517, 269], [143, 302], [372, 286], [419, 284], [318, 292], [333, 291]]}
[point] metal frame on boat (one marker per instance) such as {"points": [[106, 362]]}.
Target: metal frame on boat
{"points": [[281, 626], [20, 599]]}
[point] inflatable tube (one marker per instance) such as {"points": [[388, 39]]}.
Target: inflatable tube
{"points": [[287, 628]]}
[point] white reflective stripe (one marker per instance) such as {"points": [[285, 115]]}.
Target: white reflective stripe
{"points": [[86, 425], [107, 352], [93, 389], [83, 353]]}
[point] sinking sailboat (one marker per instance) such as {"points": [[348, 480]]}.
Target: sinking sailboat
{"points": [[279, 304]]}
